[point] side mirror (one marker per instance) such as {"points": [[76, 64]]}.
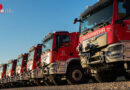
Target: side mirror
{"points": [[44, 46], [76, 20]]}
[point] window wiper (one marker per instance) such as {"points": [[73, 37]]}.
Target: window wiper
{"points": [[98, 24], [87, 31], [102, 23]]}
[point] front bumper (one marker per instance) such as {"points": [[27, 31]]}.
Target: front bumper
{"points": [[13, 79], [3, 80], [36, 73], [24, 76], [56, 68]]}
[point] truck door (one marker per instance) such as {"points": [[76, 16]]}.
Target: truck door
{"points": [[64, 43]]}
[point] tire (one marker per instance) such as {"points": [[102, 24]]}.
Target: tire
{"points": [[105, 76], [57, 81], [127, 76], [37, 82], [47, 82], [75, 75]]}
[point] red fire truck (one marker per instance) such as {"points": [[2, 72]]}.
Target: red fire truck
{"points": [[10, 73], [105, 39], [33, 62], [21, 69], [60, 59], [2, 74]]}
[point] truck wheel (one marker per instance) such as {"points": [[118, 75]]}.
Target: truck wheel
{"points": [[58, 81], [105, 76], [47, 82], [75, 75], [37, 82], [127, 76]]}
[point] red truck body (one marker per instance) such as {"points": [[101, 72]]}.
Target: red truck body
{"points": [[59, 55], [33, 60], [21, 67], [104, 40], [3, 73], [64, 53], [11, 72], [116, 32]]}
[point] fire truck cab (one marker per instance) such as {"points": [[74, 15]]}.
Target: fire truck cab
{"points": [[60, 59], [33, 62], [21, 69], [104, 46], [2, 74], [11, 73]]}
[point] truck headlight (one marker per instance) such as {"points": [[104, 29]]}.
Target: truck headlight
{"points": [[115, 51], [54, 64], [79, 48]]}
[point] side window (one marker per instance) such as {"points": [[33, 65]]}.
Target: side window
{"points": [[62, 40], [25, 60], [38, 52], [15, 63], [65, 39]]}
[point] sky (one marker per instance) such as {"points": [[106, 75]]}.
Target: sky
{"points": [[26, 22]]}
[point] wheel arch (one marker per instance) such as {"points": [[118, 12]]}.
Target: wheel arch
{"points": [[73, 62]]}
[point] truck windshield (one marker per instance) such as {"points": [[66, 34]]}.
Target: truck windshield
{"points": [[19, 62], [104, 15], [31, 55], [1, 69], [9, 66], [122, 10], [47, 45]]}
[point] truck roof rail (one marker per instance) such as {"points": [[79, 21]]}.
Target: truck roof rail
{"points": [[10, 61], [19, 56], [95, 7], [61, 32], [32, 48]]}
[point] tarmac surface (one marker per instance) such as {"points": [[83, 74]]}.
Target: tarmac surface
{"points": [[121, 85]]}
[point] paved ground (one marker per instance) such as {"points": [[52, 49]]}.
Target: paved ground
{"points": [[92, 86]]}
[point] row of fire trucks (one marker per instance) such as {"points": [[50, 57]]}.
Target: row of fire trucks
{"points": [[99, 51], [53, 62]]}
